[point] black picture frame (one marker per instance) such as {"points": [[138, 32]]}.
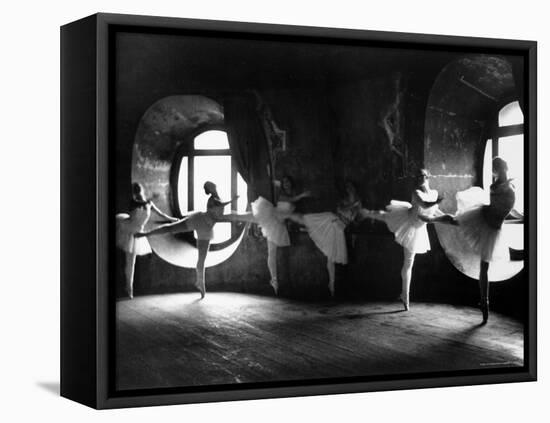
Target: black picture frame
{"points": [[86, 313]]}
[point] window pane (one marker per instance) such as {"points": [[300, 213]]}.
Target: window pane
{"points": [[216, 169], [510, 115], [242, 192], [183, 185], [511, 150], [211, 140], [222, 232]]}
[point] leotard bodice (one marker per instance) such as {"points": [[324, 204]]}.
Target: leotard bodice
{"points": [[214, 208], [285, 208], [347, 212], [140, 215], [502, 199]]}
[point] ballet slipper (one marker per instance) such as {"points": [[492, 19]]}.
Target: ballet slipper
{"points": [[484, 307], [404, 301], [130, 291], [275, 285], [200, 287]]}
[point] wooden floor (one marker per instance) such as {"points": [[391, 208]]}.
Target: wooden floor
{"points": [[178, 340]]}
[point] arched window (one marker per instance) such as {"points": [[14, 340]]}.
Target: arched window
{"points": [[507, 142], [207, 157]]}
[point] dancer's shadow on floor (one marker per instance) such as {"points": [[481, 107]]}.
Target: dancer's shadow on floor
{"points": [[366, 315], [51, 387]]}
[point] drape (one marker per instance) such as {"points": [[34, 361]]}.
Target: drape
{"points": [[519, 81], [248, 144]]}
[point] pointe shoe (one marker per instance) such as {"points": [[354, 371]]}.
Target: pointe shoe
{"points": [[484, 307], [130, 292], [404, 302], [275, 285], [201, 289]]}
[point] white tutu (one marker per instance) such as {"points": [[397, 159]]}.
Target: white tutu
{"points": [[127, 226], [484, 240], [271, 221], [327, 232], [410, 232]]}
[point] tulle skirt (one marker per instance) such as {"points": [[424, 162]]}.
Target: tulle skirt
{"points": [[126, 228], [327, 232], [484, 240], [410, 232], [271, 221]]}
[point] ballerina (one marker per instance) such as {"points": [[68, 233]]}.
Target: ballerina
{"points": [[128, 224], [271, 220], [481, 224], [408, 221], [326, 229], [203, 224]]}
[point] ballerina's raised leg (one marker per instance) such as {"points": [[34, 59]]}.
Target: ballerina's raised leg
{"points": [[408, 221], [202, 224], [481, 225]]}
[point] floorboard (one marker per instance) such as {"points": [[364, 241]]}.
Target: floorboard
{"points": [[178, 340]]}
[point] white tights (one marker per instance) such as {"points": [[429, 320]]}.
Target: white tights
{"points": [[331, 276], [129, 270], [406, 274], [272, 265]]}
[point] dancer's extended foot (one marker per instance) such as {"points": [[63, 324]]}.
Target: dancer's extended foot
{"points": [[275, 285], [404, 301], [130, 291], [484, 307], [201, 288]]}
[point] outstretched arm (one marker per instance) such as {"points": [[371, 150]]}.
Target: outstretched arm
{"points": [[176, 227], [295, 198], [448, 219], [371, 214], [162, 214], [219, 203]]}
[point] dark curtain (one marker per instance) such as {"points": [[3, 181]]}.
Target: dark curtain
{"points": [[248, 145], [519, 80]]}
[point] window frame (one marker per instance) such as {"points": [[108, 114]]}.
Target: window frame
{"points": [[496, 132], [187, 149]]}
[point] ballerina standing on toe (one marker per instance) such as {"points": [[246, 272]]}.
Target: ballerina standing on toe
{"points": [[408, 221], [203, 224], [271, 220], [129, 224], [326, 229], [480, 224]]}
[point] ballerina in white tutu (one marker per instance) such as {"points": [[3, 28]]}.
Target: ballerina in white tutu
{"points": [[271, 220], [480, 224], [129, 224], [326, 230], [408, 221], [203, 225]]}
